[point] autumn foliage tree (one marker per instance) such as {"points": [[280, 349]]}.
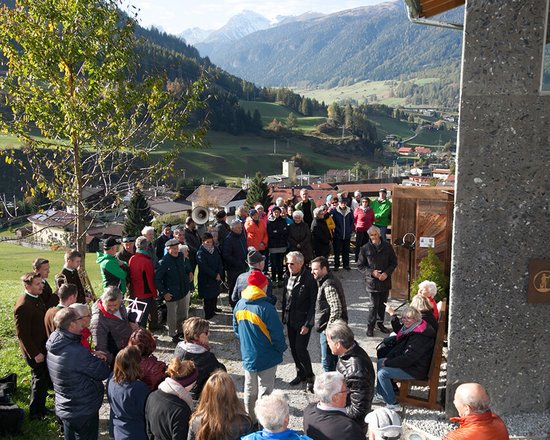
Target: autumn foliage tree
{"points": [[78, 110]]}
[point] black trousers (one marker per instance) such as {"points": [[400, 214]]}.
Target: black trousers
{"points": [[277, 269], [232, 276], [298, 347], [341, 247], [210, 307], [361, 238], [39, 386], [378, 311]]}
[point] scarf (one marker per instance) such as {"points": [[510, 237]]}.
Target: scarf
{"points": [[171, 386], [209, 249], [194, 347], [405, 331]]}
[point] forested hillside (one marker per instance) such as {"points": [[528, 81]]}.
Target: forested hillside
{"points": [[373, 42]]}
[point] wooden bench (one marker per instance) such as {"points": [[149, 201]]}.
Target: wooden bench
{"points": [[433, 375]]}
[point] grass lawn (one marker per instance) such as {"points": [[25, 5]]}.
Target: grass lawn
{"points": [[270, 111], [14, 261], [386, 126]]}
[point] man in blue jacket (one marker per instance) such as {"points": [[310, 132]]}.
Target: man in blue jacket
{"points": [[77, 377], [260, 331]]}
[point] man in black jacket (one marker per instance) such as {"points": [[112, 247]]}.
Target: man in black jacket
{"points": [[356, 366], [299, 295], [377, 260], [327, 420]]}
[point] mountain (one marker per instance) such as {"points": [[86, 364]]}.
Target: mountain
{"points": [[373, 42], [195, 35], [237, 27]]}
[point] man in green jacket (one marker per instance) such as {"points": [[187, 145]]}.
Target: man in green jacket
{"points": [[382, 212], [113, 271]]}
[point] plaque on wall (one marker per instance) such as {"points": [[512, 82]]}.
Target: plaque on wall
{"points": [[538, 290]]}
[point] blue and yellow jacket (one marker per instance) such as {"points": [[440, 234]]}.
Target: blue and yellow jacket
{"points": [[260, 331]]}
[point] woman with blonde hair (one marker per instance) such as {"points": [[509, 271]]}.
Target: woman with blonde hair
{"points": [[424, 306], [168, 409], [220, 414], [127, 395]]}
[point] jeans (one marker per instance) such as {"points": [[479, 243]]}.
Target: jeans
{"points": [[383, 232], [81, 428], [384, 386], [341, 247], [377, 312], [298, 347], [177, 312], [328, 360], [253, 390]]}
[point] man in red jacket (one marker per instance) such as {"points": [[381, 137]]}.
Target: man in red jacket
{"points": [[142, 276], [476, 420]]}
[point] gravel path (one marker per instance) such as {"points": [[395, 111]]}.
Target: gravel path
{"points": [[428, 424]]}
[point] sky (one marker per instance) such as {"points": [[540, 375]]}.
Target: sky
{"points": [[174, 16]]}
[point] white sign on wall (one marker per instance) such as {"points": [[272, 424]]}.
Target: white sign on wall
{"points": [[426, 242]]}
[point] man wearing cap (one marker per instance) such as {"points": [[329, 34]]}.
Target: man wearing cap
{"points": [[382, 212], [113, 271], [262, 340], [128, 249], [476, 420], [160, 242], [173, 280], [234, 256], [384, 424], [256, 262], [327, 419]]}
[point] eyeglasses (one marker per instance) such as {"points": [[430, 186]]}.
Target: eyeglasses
{"points": [[291, 264]]}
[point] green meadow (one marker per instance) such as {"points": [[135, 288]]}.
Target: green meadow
{"points": [[14, 261]]}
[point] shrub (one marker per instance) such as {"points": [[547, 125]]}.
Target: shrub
{"points": [[431, 268]]}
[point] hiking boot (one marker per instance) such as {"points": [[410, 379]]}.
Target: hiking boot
{"points": [[296, 381], [370, 331], [383, 328]]}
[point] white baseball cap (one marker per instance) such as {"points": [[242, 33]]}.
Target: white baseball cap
{"points": [[385, 423]]}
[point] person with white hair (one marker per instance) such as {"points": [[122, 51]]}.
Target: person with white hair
{"points": [[273, 414], [356, 200], [384, 424], [149, 233], [327, 419], [429, 290], [306, 205]]}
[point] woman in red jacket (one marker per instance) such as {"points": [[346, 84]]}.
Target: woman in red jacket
{"points": [[142, 282], [363, 218]]}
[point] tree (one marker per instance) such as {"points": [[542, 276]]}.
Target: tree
{"points": [[77, 107], [258, 192], [275, 126], [431, 269], [291, 120], [138, 215]]}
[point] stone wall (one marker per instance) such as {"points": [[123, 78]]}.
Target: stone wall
{"points": [[502, 211]]}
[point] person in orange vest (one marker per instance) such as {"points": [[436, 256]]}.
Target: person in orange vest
{"points": [[476, 420]]}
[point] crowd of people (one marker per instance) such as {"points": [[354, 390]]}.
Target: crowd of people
{"points": [[84, 347]]}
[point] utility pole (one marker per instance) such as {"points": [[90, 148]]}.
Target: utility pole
{"points": [[274, 146]]}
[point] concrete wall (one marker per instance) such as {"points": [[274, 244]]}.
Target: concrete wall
{"points": [[502, 211]]}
